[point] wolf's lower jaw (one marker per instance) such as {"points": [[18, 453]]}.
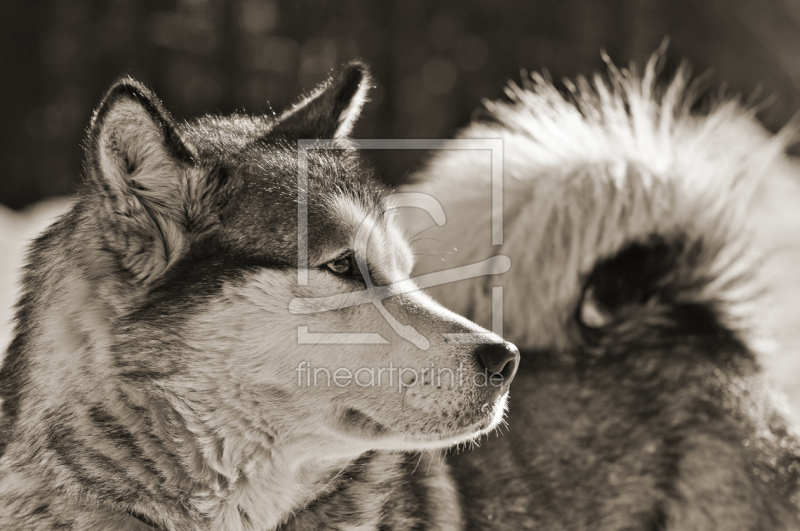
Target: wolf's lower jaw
{"points": [[364, 427]]}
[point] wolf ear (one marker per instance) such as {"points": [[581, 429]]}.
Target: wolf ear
{"points": [[140, 169], [332, 109]]}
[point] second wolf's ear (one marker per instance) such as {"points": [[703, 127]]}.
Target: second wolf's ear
{"points": [[144, 180], [332, 109]]}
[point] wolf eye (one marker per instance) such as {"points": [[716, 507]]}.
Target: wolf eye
{"points": [[345, 266]]}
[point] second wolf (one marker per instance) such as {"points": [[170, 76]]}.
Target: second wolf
{"points": [[633, 296]]}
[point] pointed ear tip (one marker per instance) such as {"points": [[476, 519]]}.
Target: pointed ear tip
{"points": [[129, 89], [358, 71], [127, 86]]}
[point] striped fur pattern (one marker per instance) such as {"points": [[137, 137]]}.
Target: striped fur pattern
{"points": [[634, 297], [153, 379]]}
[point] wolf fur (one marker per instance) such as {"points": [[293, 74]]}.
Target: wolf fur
{"points": [[633, 296], [153, 382]]}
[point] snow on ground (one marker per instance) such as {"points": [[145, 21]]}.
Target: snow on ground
{"points": [[16, 230]]}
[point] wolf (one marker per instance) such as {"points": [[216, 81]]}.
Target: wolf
{"points": [[158, 378], [635, 298]]}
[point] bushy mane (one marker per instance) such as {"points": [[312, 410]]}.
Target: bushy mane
{"points": [[624, 116], [610, 161]]}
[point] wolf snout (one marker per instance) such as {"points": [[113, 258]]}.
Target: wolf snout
{"points": [[499, 358]]}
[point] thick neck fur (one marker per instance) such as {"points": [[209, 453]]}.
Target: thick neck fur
{"points": [[85, 435]]}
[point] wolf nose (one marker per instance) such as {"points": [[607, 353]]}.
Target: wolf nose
{"points": [[500, 358]]}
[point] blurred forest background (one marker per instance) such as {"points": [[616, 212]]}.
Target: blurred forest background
{"points": [[433, 61]]}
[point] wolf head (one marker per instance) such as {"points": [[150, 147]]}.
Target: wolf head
{"points": [[200, 225], [166, 292]]}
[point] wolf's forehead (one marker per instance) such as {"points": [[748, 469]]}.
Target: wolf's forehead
{"points": [[264, 211]]}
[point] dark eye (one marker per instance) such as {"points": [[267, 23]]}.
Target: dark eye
{"points": [[345, 266]]}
